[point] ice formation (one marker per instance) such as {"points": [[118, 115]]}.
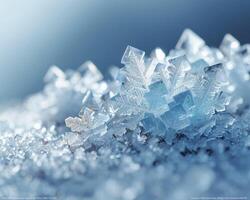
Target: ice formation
{"points": [[172, 126]]}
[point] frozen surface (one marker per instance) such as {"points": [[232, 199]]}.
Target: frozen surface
{"points": [[167, 126]]}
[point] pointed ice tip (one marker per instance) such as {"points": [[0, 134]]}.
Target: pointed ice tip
{"points": [[229, 44], [88, 65], [53, 74], [228, 38], [159, 54], [114, 71], [190, 41], [180, 60], [90, 71], [218, 72], [132, 55]]}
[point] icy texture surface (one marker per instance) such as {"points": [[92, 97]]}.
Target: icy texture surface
{"points": [[167, 126]]}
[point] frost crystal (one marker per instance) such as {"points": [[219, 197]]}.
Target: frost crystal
{"points": [[167, 126]]}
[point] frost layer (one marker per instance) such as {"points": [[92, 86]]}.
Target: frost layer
{"points": [[172, 126]]}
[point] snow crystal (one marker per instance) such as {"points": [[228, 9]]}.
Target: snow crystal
{"points": [[167, 126]]}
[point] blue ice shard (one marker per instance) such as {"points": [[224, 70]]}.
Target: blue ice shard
{"points": [[157, 98], [190, 41]]}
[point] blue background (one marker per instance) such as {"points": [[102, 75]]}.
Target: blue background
{"points": [[37, 34]]}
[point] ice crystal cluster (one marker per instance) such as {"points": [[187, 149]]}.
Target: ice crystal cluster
{"points": [[166, 126]]}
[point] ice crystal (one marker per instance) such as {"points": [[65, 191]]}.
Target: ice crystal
{"points": [[167, 126]]}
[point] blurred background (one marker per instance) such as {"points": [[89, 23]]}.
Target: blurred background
{"points": [[37, 34]]}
